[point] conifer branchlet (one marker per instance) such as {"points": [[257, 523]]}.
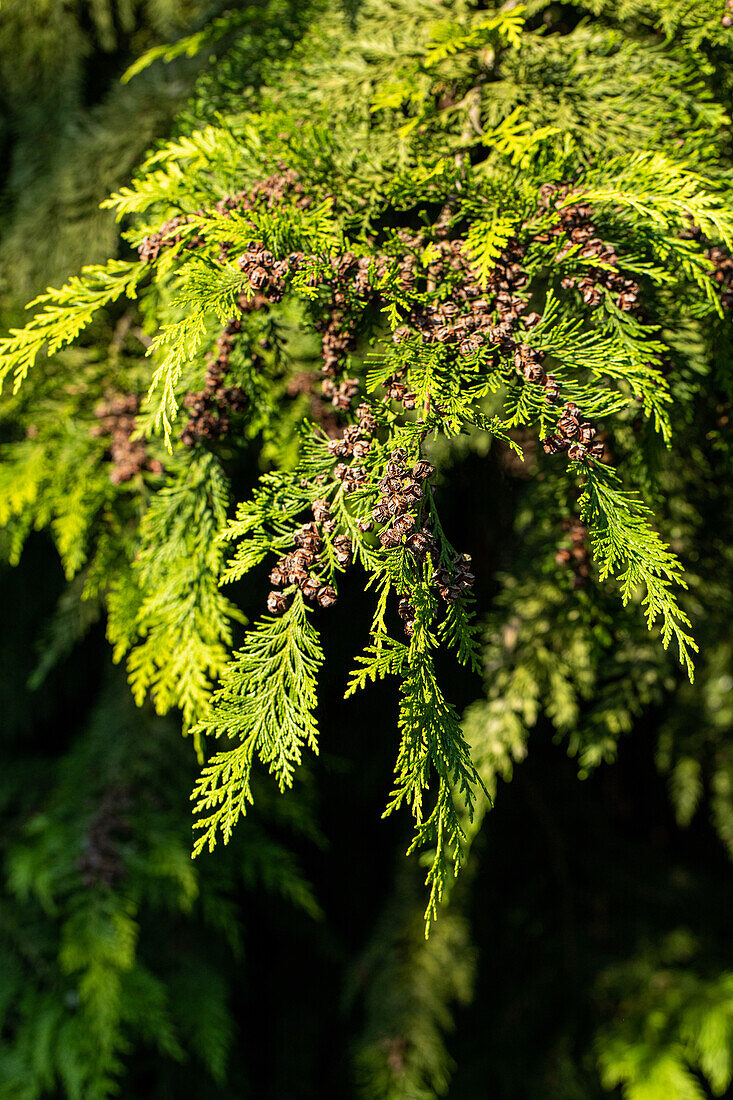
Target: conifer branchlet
{"points": [[466, 263]]}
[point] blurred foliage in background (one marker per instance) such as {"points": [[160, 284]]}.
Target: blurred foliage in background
{"points": [[585, 951]]}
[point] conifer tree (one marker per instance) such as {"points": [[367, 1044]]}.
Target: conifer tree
{"points": [[412, 238]]}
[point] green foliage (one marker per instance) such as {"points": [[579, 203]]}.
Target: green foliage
{"points": [[66, 312], [431, 738], [570, 162], [412, 983], [621, 537], [604, 362], [180, 613], [486, 240], [266, 701], [106, 918], [70, 133], [673, 1025]]}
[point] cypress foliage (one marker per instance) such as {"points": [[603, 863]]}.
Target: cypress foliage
{"points": [[408, 241]]}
